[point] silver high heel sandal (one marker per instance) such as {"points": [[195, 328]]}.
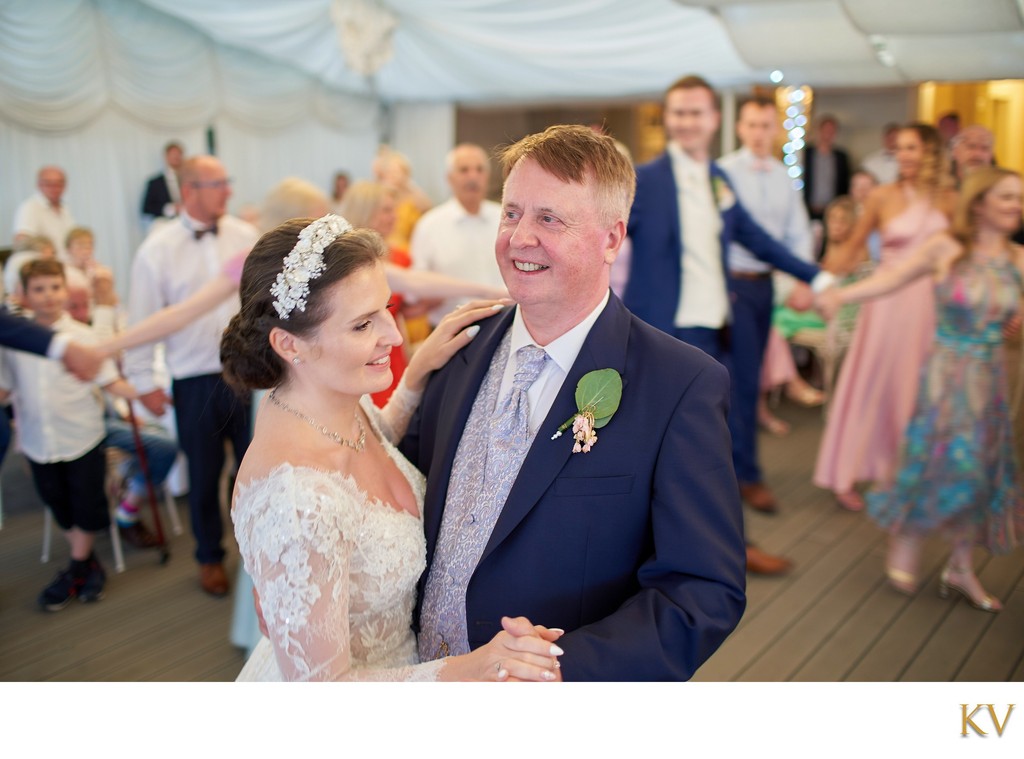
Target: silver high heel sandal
{"points": [[947, 582]]}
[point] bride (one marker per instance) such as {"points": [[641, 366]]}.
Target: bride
{"points": [[327, 513]]}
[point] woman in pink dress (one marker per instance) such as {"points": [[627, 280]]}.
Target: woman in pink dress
{"points": [[877, 386]]}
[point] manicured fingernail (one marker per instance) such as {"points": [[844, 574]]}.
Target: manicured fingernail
{"points": [[547, 675], [555, 650], [497, 307], [471, 332], [558, 630]]}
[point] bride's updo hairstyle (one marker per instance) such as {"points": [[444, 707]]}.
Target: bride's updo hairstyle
{"points": [[249, 362]]}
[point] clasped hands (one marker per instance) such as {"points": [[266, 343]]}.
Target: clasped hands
{"points": [[521, 652]]}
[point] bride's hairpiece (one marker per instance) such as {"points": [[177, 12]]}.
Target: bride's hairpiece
{"points": [[305, 263]]}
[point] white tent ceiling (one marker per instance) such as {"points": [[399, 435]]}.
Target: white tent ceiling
{"points": [[98, 86], [494, 50]]}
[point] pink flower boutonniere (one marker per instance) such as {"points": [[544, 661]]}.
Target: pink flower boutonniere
{"points": [[598, 394], [724, 196]]}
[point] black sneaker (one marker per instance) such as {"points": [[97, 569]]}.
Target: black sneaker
{"points": [[58, 594], [92, 588]]}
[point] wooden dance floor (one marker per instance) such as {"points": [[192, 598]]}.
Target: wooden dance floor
{"points": [[833, 618]]}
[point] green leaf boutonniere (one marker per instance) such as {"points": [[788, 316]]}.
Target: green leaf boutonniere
{"points": [[597, 397], [724, 197]]}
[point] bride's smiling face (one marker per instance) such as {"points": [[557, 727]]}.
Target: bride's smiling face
{"points": [[350, 352]]}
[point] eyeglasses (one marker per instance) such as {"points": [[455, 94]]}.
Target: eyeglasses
{"points": [[215, 184]]}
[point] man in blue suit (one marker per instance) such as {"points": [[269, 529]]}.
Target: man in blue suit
{"points": [[634, 548], [684, 216]]}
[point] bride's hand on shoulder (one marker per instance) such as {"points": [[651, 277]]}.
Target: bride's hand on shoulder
{"points": [[512, 654], [453, 333]]}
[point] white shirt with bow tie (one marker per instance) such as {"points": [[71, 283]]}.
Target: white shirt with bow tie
{"points": [[169, 267]]}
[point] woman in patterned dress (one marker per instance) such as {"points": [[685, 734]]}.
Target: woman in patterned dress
{"points": [[958, 473]]}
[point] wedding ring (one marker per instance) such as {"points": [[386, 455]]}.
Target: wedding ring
{"points": [[497, 667]]}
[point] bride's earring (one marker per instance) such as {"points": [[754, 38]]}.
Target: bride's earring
{"points": [[296, 360]]}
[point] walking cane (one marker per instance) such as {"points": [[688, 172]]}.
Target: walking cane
{"points": [[140, 451]]}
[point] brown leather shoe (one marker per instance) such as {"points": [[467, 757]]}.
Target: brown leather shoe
{"points": [[137, 535], [213, 579], [759, 497], [761, 563]]}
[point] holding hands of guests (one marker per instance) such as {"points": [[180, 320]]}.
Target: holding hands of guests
{"points": [[828, 302], [83, 361], [800, 297], [452, 334]]}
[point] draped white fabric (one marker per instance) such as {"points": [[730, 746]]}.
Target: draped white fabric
{"points": [[107, 162], [418, 129], [99, 86]]}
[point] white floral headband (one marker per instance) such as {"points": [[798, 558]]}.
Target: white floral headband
{"points": [[305, 263]]}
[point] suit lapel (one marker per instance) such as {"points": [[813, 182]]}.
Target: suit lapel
{"points": [[604, 348]]}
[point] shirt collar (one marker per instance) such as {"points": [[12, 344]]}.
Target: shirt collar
{"points": [[191, 224], [462, 213], [46, 202], [564, 349], [684, 163]]}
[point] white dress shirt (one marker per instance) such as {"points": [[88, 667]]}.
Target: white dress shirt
{"points": [[703, 301], [883, 166], [169, 267], [35, 216], [60, 418], [766, 191], [563, 351], [449, 240]]}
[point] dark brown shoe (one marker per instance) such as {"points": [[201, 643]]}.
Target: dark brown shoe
{"points": [[761, 563], [759, 497], [213, 579], [137, 535]]}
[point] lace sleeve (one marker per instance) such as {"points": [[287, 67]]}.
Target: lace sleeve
{"points": [[296, 534], [394, 417]]}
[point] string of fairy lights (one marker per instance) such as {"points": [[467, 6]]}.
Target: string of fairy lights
{"points": [[795, 102]]}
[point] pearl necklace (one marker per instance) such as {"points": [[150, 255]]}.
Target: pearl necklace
{"points": [[357, 446]]}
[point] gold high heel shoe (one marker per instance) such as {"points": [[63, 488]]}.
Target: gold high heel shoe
{"points": [[946, 583], [901, 580], [901, 563]]}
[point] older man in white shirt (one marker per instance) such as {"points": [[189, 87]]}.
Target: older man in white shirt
{"points": [[765, 189], [457, 237], [173, 262], [45, 213]]}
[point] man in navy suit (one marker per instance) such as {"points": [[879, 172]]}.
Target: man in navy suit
{"points": [[634, 548], [162, 198], [684, 216]]}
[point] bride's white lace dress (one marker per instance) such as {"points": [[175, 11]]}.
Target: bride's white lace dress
{"points": [[336, 571]]}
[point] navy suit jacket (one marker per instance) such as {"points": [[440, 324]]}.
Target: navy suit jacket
{"points": [[22, 334], [656, 232], [636, 548], [842, 179], [157, 196]]}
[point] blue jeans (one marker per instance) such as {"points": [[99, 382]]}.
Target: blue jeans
{"points": [[160, 448]]}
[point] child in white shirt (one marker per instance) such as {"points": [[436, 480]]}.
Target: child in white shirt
{"points": [[60, 431]]}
